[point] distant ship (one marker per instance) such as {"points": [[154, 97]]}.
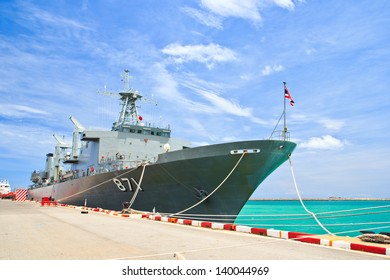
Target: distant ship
{"points": [[5, 188], [139, 166]]}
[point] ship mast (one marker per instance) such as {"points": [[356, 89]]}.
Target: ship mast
{"points": [[129, 113], [284, 114], [284, 133]]}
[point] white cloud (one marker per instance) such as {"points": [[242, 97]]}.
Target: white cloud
{"points": [[166, 83], [225, 105], [260, 121], [310, 51], [212, 102], [326, 142], [331, 123], [38, 15], [200, 129], [234, 8], [21, 140], [246, 77], [207, 54], [203, 17], [217, 103], [248, 9], [267, 70], [286, 4], [13, 110], [230, 139]]}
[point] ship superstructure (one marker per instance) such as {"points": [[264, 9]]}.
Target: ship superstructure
{"points": [[130, 143]]}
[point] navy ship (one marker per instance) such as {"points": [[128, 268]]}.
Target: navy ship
{"points": [[140, 167]]}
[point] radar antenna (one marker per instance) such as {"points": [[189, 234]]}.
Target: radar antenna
{"points": [[129, 97]]}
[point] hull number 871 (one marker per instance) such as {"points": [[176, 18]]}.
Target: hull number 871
{"points": [[123, 182]]}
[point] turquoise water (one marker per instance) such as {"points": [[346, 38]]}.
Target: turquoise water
{"points": [[341, 217]]}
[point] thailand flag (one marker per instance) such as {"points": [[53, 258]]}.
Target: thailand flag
{"points": [[288, 95]]}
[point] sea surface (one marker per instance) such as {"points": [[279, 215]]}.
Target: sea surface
{"points": [[340, 217]]}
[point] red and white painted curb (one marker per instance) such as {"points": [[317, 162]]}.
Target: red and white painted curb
{"points": [[104, 211], [297, 236]]}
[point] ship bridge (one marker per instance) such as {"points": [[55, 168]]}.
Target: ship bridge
{"points": [[146, 130]]}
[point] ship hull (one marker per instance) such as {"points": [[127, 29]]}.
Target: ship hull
{"points": [[215, 181]]}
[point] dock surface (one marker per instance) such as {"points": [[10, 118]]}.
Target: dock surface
{"points": [[30, 231]]}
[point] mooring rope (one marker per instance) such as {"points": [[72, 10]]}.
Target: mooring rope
{"points": [[300, 199], [274, 217], [138, 186], [223, 181], [355, 209]]}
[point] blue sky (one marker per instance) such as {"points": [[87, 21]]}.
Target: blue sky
{"points": [[216, 69]]}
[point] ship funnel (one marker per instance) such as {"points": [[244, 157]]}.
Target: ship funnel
{"points": [[49, 165], [78, 128]]}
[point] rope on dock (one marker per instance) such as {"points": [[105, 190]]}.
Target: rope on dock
{"points": [[259, 219], [300, 199], [138, 186], [355, 209]]}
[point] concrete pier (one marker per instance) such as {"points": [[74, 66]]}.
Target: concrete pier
{"points": [[29, 231]]}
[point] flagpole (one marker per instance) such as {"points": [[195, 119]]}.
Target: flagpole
{"points": [[284, 113]]}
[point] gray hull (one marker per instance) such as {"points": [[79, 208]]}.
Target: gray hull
{"points": [[225, 174]]}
